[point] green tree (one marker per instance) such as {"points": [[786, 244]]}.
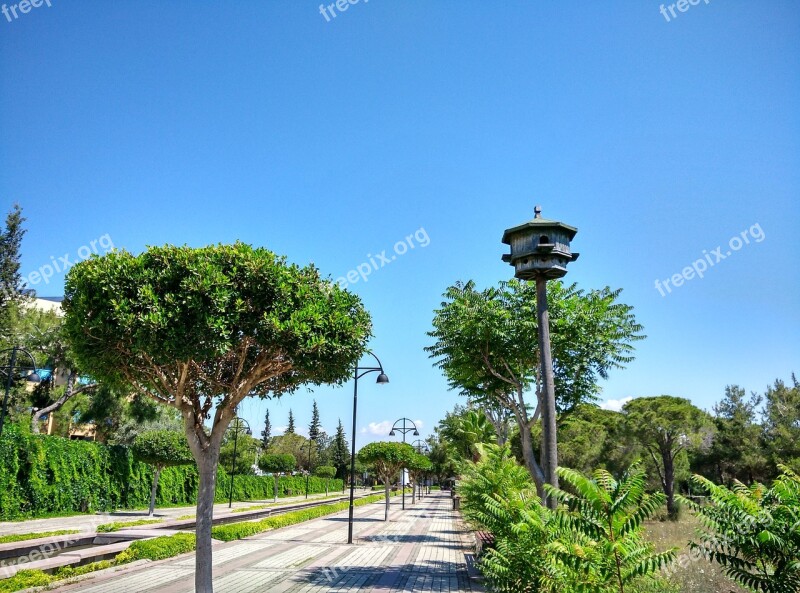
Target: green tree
{"points": [[247, 448], [277, 465], [11, 285], [486, 343], [387, 459], [592, 438], [753, 533], [468, 431], [266, 434], [291, 444], [782, 423], [201, 329], [417, 468], [161, 448], [290, 427], [444, 461], [665, 426], [340, 452], [326, 472]]}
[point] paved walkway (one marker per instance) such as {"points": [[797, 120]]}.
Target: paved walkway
{"points": [[421, 549], [89, 523]]}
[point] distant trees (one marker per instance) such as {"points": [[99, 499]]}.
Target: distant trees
{"points": [[277, 465], [290, 429], [266, 434], [665, 426], [11, 285], [161, 448], [782, 423], [340, 453], [325, 472]]}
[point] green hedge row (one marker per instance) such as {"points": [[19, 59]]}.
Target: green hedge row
{"points": [[46, 475]]}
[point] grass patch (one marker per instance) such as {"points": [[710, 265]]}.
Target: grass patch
{"points": [[21, 537], [24, 579], [117, 525], [689, 574], [184, 517], [234, 531]]}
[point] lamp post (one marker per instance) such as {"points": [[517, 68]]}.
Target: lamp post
{"points": [[421, 448], [382, 380], [540, 251], [9, 370], [236, 424], [404, 428], [311, 440]]}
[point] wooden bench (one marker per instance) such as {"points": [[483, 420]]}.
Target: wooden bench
{"points": [[483, 541]]}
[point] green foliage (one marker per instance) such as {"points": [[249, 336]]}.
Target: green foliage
{"points": [[10, 278], [25, 579], [387, 458], [593, 543], [118, 525], [162, 448], [467, 431], [266, 434], [291, 444], [157, 548], [277, 464], [21, 537], [339, 452], [753, 532], [782, 423], [290, 429], [325, 471]]}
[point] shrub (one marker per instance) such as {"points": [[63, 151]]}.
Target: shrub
{"points": [[21, 537], [117, 525], [24, 579], [157, 548], [753, 533]]}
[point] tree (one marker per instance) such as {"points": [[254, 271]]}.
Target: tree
{"points": [[666, 426], [326, 472], [418, 467], [387, 459], [737, 451], [161, 448], [314, 426], [468, 431], [291, 444], [277, 465], [201, 329], [340, 452], [486, 343], [11, 285], [753, 533], [592, 438], [782, 423], [247, 448], [266, 434], [290, 428]]}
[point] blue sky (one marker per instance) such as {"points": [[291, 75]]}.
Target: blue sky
{"points": [[202, 122]]}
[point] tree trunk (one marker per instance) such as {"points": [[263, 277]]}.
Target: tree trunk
{"points": [[207, 468], [550, 439], [386, 510], [527, 453], [669, 485], [154, 490]]}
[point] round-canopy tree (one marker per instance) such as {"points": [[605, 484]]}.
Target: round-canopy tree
{"points": [[161, 448], [326, 472], [418, 466], [386, 460], [201, 329], [277, 465]]}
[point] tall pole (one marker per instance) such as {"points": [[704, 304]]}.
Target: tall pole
{"points": [[233, 465], [9, 382], [550, 457], [403, 473], [353, 459], [308, 473]]}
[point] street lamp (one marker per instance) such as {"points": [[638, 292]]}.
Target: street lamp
{"points": [[421, 448], [404, 428], [8, 371], [382, 380], [236, 425]]}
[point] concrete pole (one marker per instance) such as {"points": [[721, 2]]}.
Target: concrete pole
{"points": [[550, 441]]}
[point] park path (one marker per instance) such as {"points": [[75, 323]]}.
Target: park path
{"points": [[88, 523], [421, 549]]}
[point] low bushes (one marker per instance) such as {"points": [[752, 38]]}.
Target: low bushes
{"points": [[21, 537], [117, 525], [157, 548]]}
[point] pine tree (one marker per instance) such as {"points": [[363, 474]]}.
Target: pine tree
{"points": [[315, 426], [10, 279], [340, 454], [266, 434], [290, 428]]}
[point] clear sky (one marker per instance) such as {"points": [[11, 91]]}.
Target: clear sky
{"points": [[144, 123]]}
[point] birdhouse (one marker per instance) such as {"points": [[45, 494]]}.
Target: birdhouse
{"points": [[540, 247]]}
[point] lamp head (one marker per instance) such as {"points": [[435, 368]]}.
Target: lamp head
{"points": [[34, 377], [416, 433], [382, 379], [391, 434]]}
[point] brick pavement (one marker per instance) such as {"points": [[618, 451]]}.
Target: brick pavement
{"points": [[421, 549]]}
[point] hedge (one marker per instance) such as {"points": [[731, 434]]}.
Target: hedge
{"points": [[45, 475]]}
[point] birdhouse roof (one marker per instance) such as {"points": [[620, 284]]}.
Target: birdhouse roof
{"points": [[539, 224]]}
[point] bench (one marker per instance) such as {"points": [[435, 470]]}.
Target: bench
{"points": [[484, 540]]}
